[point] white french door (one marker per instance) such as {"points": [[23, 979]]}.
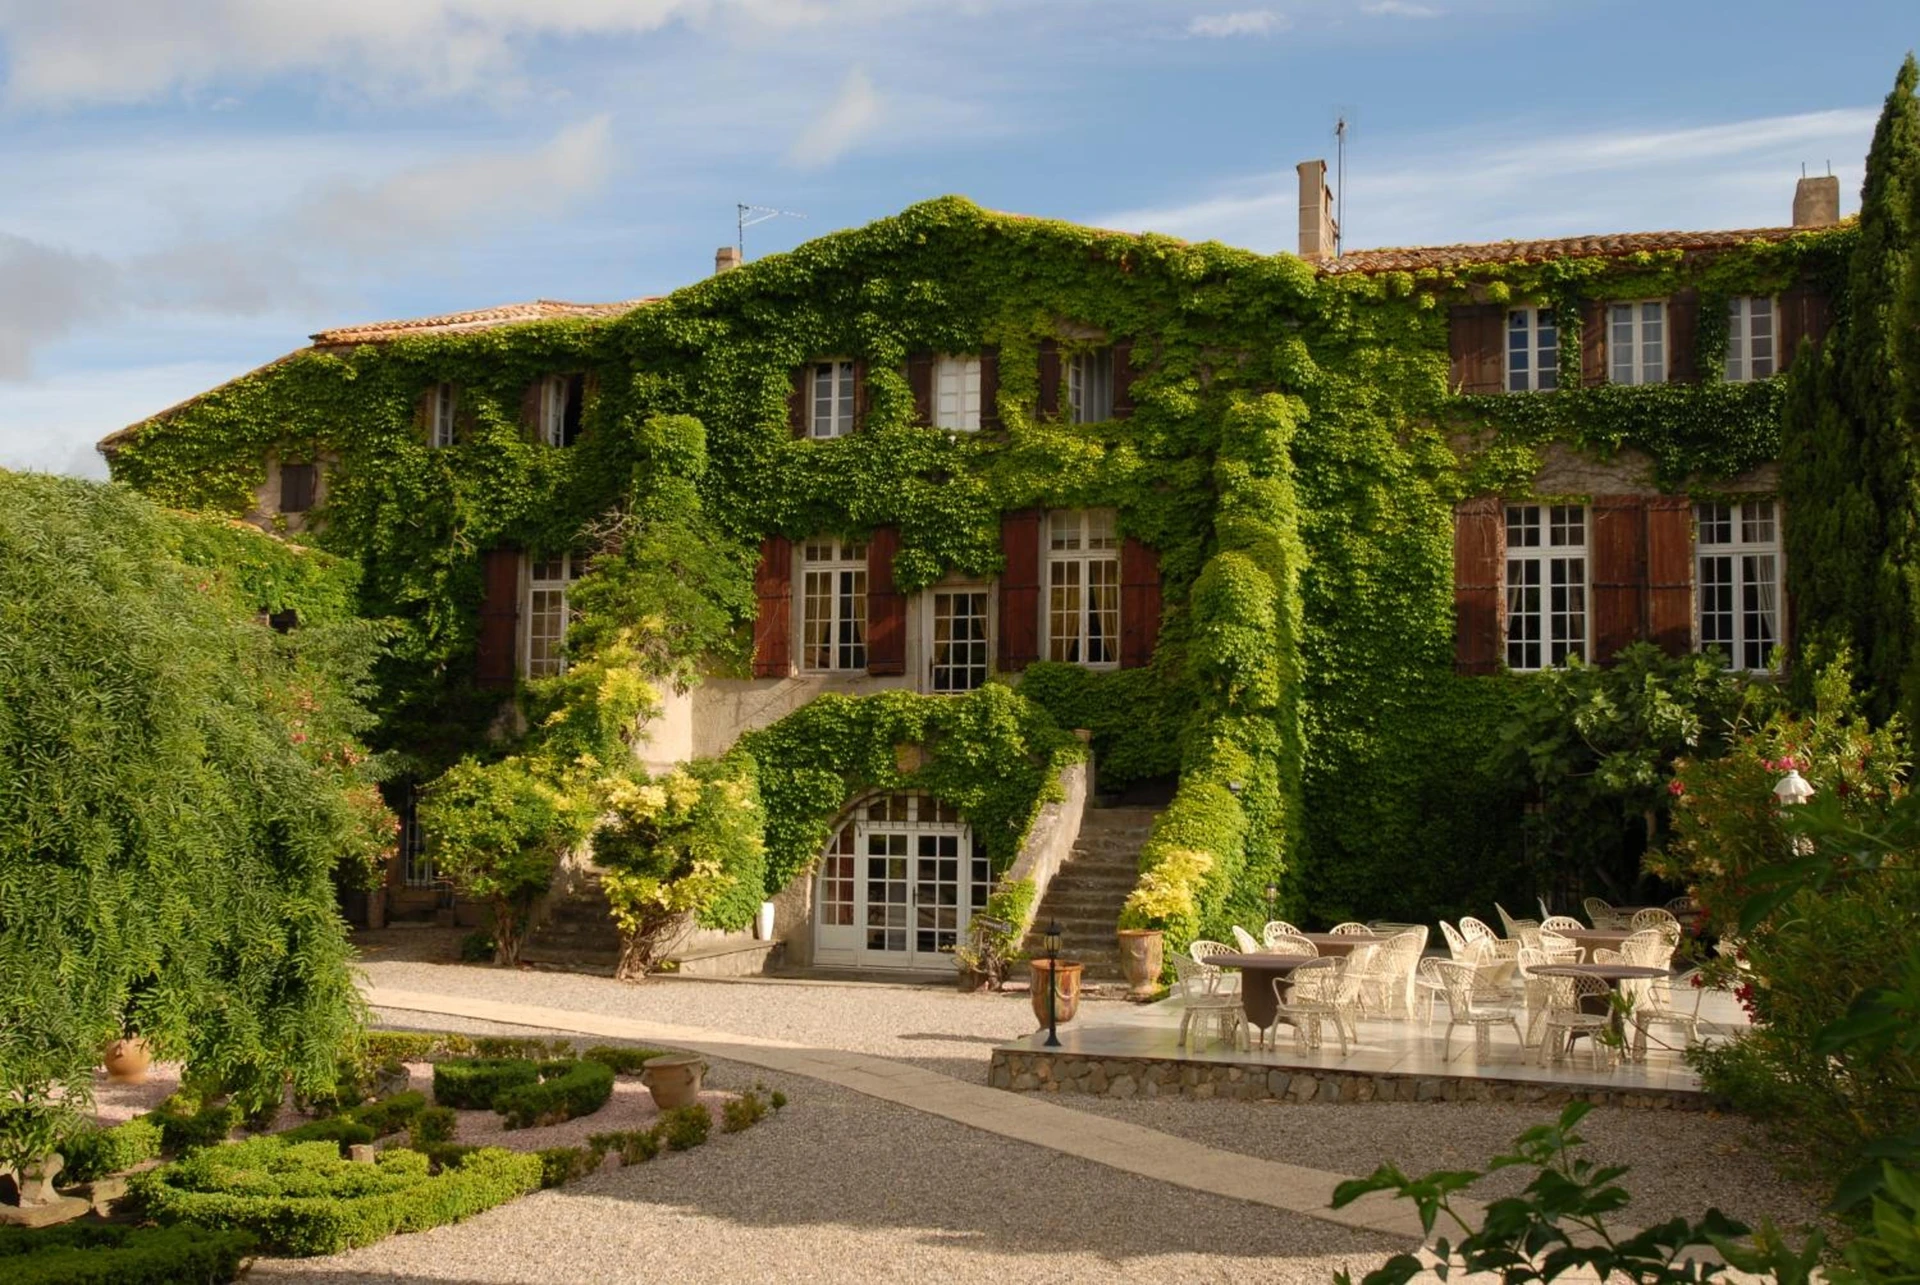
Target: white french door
{"points": [[897, 886], [957, 638]]}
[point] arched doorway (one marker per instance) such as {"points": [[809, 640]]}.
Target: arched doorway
{"points": [[897, 884]]}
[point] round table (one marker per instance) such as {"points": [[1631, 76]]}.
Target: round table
{"points": [[1340, 945], [1612, 973], [1257, 972]]}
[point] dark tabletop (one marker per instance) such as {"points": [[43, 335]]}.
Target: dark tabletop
{"points": [[1605, 972], [1257, 999]]}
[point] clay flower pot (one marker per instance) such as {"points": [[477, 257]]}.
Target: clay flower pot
{"points": [[1066, 995], [127, 1060], [673, 1080], [1140, 960]]}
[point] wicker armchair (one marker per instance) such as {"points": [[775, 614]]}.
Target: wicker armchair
{"points": [[1603, 914], [1675, 1002], [1275, 928], [1352, 928], [1561, 923], [1289, 944], [1467, 1008], [1246, 941], [1514, 927], [1655, 917], [1576, 1008], [1324, 988], [1202, 950], [1201, 1003]]}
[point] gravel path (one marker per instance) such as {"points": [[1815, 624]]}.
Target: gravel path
{"points": [[839, 1187]]}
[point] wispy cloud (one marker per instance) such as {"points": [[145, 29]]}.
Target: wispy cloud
{"points": [[1398, 9], [1245, 22], [849, 119], [1437, 190]]}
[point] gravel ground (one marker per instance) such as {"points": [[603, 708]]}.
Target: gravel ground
{"points": [[1682, 1162], [935, 1027], [839, 1187]]}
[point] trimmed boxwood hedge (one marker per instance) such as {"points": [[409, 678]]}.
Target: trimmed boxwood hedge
{"points": [[94, 1153], [303, 1199], [472, 1084], [565, 1091], [363, 1123], [103, 1254]]}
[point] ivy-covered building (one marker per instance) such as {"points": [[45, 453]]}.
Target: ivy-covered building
{"points": [[1281, 532]]}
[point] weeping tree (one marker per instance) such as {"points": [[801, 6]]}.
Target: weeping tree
{"points": [[179, 786]]}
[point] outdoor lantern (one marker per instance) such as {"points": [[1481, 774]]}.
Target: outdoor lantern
{"points": [[1051, 938], [1792, 789], [1273, 895]]}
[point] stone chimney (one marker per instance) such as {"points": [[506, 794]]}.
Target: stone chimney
{"points": [[1816, 202], [726, 259], [1319, 234]]}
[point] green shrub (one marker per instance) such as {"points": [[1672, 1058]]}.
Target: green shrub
{"points": [[537, 1050], [303, 1199], [185, 1126], [95, 1153], [472, 1084], [563, 1164], [633, 1146], [684, 1128], [104, 1254], [433, 1124], [778, 1099], [446, 1155], [477, 947], [342, 1131], [390, 1115], [624, 1061], [565, 1091], [743, 1112]]}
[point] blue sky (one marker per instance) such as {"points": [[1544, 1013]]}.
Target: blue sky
{"points": [[189, 187]]}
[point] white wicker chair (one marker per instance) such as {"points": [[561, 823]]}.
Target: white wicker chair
{"points": [[1514, 927], [1276, 927], [1654, 917], [1390, 986], [1246, 941], [1289, 944], [1546, 911], [1650, 947], [1675, 1002], [1455, 939], [1533, 990], [1466, 1008], [1602, 913], [1561, 923], [1201, 1003], [1352, 928], [1683, 907], [1324, 988], [1223, 981], [1477, 930], [1568, 1019]]}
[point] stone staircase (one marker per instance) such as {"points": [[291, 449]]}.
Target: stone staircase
{"points": [[1087, 894], [578, 930]]}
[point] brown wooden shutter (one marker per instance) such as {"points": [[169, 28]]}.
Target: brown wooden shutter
{"points": [[1020, 589], [773, 623], [859, 395], [1139, 603], [423, 415], [989, 389], [1123, 379], [1479, 557], [920, 384], [1617, 570], [499, 617], [1804, 314], [1593, 342], [1670, 573], [886, 606], [1683, 324], [1476, 335], [1049, 379], [530, 409], [797, 402]]}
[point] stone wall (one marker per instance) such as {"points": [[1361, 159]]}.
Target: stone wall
{"points": [[1024, 1071]]}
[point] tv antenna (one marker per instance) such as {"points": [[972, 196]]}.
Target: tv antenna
{"points": [[1339, 180], [749, 215]]}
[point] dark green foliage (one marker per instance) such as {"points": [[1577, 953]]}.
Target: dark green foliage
{"points": [[478, 947], [633, 1146], [445, 1155], [684, 1128], [303, 1199], [473, 1084], [624, 1059], [339, 1129], [363, 1123], [92, 1153], [743, 1112], [563, 1164], [778, 1099], [103, 1254], [433, 1124], [564, 1091], [186, 1124], [181, 784], [440, 1046], [1138, 718]]}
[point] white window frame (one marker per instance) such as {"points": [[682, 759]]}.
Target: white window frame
{"points": [[443, 403], [1538, 367], [956, 393], [831, 383], [544, 595], [1639, 341], [554, 390], [912, 924], [1081, 623], [1089, 377], [1736, 612], [1548, 601], [832, 605], [1751, 354], [933, 644]]}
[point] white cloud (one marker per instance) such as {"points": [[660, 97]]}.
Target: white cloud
{"points": [[1399, 9], [850, 118], [1245, 22], [45, 292], [1438, 190], [51, 425]]}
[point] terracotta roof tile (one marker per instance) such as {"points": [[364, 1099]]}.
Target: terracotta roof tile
{"points": [[507, 314], [1414, 258]]}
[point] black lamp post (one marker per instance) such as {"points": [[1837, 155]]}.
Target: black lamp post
{"points": [[1052, 940], [1273, 895]]}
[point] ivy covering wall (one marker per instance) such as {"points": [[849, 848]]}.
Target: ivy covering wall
{"points": [[1293, 455]]}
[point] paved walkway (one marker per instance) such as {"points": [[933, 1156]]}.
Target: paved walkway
{"points": [[1114, 1143]]}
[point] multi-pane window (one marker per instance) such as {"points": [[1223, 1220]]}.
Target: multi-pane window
{"points": [[956, 393], [1750, 338], [833, 605], [836, 879], [1083, 588], [1739, 584], [560, 408], [830, 393], [442, 401], [297, 486], [416, 866], [1090, 386], [1533, 350], [547, 614], [1637, 342], [1546, 585], [958, 619]]}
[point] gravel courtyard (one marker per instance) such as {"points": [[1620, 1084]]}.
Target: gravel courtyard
{"points": [[840, 1186]]}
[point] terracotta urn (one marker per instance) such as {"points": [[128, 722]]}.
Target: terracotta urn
{"points": [[1141, 960], [127, 1060], [673, 1080], [1066, 989]]}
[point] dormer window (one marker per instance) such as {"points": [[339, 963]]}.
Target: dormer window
{"points": [[562, 399], [830, 398], [443, 400], [1090, 386]]}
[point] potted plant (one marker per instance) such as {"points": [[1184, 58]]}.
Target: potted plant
{"points": [[990, 948], [673, 1079], [1065, 988], [128, 1057], [1141, 958]]}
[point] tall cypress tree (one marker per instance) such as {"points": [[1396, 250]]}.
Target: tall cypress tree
{"points": [[1851, 469]]}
